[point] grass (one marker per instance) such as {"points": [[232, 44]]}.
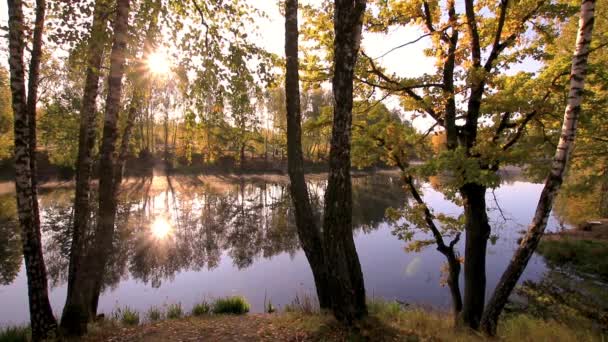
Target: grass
{"points": [[304, 304], [154, 314], [15, 334], [174, 311], [236, 305], [126, 316], [201, 309], [388, 321], [585, 256]]}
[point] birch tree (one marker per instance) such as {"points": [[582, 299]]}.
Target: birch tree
{"points": [[42, 321], [555, 178]]}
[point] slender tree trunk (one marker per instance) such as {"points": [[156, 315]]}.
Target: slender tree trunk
{"points": [[43, 322], [32, 101], [242, 156], [74, 317], [308, 230], [448, 80], [346, 278], [166, 127], [96, 259], [603, 205], [554, 179], [118, 176], [477, 231], [174, 143]]}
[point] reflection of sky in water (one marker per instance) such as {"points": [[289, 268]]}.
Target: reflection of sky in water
{"points": [[167, 218]]}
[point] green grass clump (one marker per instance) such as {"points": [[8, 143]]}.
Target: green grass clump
{"points": [[15, 334], [383, 308], [154, 314], [174, 311], [236, 305], [585, 256], [126, 316], [201, 309]]}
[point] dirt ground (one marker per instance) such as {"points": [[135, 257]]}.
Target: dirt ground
{"points": [[253, 327]]}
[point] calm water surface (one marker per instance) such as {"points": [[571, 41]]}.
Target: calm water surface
{"points": [[185, 238]]}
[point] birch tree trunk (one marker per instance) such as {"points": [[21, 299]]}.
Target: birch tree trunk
{"points": [[72, 319], [345, 276], [94, 264], [554, 179], [308, 230], [43, 323]]}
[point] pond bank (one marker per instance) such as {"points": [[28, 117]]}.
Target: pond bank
{"points": [[584, 249], [575, 288], [388, 322]]}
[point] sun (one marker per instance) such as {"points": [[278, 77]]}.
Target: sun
{"points": [[158, 63], [160, 228]]}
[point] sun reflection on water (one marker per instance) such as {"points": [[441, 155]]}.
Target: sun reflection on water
{"points": [[161, 228]]}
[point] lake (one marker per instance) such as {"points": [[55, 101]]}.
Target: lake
{"points": [[187, 238]]}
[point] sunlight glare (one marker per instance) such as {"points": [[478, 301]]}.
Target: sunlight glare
{"points": [[160, 228], [158, 63]]}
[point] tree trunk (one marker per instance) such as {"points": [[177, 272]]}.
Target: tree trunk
{"points": [[554, 179], [74, 318], [118, 176], [477, 231], [166, 132], [308, 231], [43, 323], [242, 156], [346, 278], [603, 205], [96, 259]]}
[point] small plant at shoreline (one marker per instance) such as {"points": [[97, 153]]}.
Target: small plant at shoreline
{"points": [[383, 307], [236, 305], [268, 307], [15, 334], [304, 304], [174, 311], [126, 316], [154, 314], [201, 309]]}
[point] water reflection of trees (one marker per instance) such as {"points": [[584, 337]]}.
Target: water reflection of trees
{"points": [[244, 220], [10, 244]]}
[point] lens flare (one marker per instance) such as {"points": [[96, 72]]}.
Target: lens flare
{"points": [[160, 228], [158, 63]]}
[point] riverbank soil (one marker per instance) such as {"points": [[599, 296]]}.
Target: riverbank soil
{"points": [[389, 322]]}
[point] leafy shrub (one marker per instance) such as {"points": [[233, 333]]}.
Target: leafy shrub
{"points": [[200, 309], [231, 305], [127, 316], [174, 311], [154, 314]]}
